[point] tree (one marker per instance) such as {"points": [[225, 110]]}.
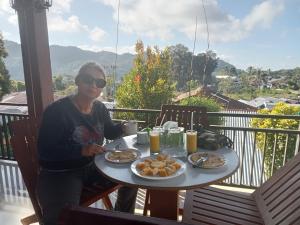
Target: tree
{"points": [[17, 85], [58, 83], [181, 63], [148, 85], [209, 63], [4, 74], [203, 66], [209, 103]]}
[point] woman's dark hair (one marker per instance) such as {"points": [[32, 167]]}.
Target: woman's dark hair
{"points": [[85, 67]]}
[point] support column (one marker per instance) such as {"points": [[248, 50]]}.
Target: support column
{"points": [[35, 53]]}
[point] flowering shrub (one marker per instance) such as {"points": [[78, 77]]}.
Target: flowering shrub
{"points": [[266, 141]]}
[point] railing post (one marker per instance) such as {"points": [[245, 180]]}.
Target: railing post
{"points": [[298, 139]]}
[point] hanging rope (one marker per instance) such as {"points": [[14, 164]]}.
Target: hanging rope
{"points": [[116, 58], [191, 74], [207, 31], [208, 43]]}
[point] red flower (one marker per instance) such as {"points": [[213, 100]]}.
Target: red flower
{"points": [[137, 78]]}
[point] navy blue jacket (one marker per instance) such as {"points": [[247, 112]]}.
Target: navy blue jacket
{"points": [[65, 131]]}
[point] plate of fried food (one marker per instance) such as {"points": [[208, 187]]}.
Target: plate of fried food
{"points": [[210, 160], [122, 155], [159, 167]]}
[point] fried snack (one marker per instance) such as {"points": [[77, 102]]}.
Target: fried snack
{"points": [[161, 157], [158, 164], [170, 170], [177, 165], [149, 160], [161, 166], [147, 171], [140, 165], [162, 173], [155, 171]]}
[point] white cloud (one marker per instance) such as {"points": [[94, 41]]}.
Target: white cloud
{"points": [[263, 14], [8, 13], [162, 19], [59, 22], [97, 34], [71, 24], [61, 6], [225, 57], [13, 19], [6, 35], [5, 7]]}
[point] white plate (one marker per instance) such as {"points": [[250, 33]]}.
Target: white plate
{"points": [[209, 154], [176, 174], [108, 153]]}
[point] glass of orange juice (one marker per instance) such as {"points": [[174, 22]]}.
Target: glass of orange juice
{"points": [[191, 141], [154, 142]]}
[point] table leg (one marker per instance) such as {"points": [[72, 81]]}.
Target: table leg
{"points": [[163, 204]]}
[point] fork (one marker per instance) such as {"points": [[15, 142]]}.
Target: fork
{"points": [[200, 161]]}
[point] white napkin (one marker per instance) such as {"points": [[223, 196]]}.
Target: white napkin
{"points": [[170, 124]]}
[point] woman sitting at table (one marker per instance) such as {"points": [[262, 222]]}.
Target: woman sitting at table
{"points": [[71, 134]]}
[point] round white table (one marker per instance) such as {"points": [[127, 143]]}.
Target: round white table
{"points": [[164, 189]]}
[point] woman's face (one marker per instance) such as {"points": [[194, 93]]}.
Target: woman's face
{"points": [[91, 83]]}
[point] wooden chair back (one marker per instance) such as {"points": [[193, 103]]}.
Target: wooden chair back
{"points": [[183, 114], [81, 216], [23, 141], [276, 202], [278, 199]]}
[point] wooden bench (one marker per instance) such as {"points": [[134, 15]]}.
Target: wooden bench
{"points": [[276, 202], [24, 142], [91, 216]]}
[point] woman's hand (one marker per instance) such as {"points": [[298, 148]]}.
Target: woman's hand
{"points": [[91, 150]]}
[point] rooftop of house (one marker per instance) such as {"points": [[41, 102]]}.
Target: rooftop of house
{"points": [[226, 102]]}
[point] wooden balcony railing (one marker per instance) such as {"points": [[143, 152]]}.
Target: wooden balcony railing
{"points": [[235, 124]]}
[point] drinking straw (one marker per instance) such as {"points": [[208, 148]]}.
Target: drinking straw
{"points": [[162, 120], [192, 120]]}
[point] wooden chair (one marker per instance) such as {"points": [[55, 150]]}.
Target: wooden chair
{"points": [[82, 216], [24, 142], [182, 114], [276, 202]]}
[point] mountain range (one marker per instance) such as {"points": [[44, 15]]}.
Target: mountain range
{"points": [[66, 60]]}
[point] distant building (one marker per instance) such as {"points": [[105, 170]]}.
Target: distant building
{"points": [[21, 98], [269, 102], [226, 102]]}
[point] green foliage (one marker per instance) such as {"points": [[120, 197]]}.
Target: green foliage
{"points": [[17, 85], [148, 85], [4, 75], [71, 89], [210, 104], [266, 142], [64, 85], [193, 84], [58, 83], [204, 65]]}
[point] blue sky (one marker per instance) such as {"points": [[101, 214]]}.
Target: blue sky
{"points": [[260, 33]]}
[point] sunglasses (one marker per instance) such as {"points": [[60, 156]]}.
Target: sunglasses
{"points": [[89, 80]]}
